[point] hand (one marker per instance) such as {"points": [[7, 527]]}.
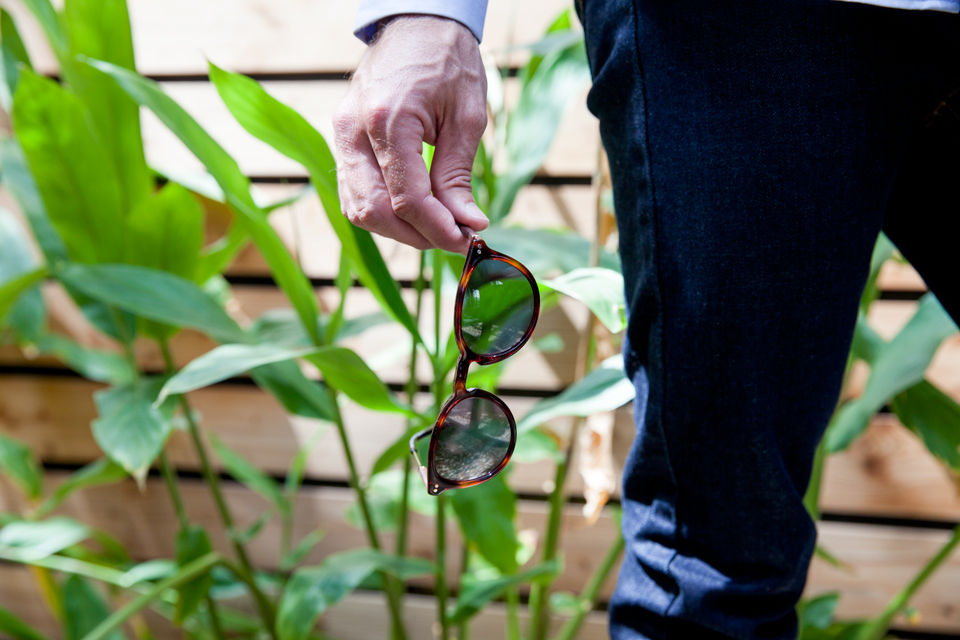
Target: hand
{"points": [[421, 81]]}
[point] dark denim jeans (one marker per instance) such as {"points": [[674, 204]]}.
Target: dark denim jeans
{"points": [[757, 148]]}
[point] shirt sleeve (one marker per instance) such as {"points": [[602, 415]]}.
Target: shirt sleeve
{"points": [[469, 13]]}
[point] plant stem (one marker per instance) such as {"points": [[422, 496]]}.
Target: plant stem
{"points": [[170, 479], [196, 568], [441, 575], [464, 629], [877, 628], [589, 596], [267, 611], [513, 613]]}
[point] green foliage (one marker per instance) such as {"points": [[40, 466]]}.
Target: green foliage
{"points": [[486, 514], [18, 463], [192, 544], [14, 54], [251, 477], [17, 629], [84, 609], [95, 474], [130, 428], [472, 599], [102, 366], [600, 289], [31, 541], [312, 590]]}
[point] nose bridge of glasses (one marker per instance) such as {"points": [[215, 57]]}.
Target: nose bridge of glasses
{"points": [[460, 379]]}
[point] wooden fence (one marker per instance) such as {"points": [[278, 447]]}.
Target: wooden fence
{"points": [[888, 505]]}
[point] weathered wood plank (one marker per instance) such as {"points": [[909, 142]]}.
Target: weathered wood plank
{"points": [[273, 36]]}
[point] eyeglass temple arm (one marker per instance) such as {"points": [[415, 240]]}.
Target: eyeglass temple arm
{"points": [[413, 449]]}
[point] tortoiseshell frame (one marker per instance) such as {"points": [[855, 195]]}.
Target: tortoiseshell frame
{"points": [[434, 483]]}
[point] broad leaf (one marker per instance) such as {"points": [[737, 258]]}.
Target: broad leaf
{"points": [[83, 609], [192, 544], [45, 14], [600, 289], [302, 550], [154, 295], [18, 463], [95, 474], [227, 361], [27, 315], [14, 627], [101, 29], [130, 428], [235, 186], [900, 365], [75, 176], [93, 364], [384, 492], [550, 92], [399, 450], [935, 417], [343, 369], [289, 133], [486, 514], [818, 612], [604, 389], [165, 232], [312, 590], [148, 571], [11, 290], [37, 540], [18, 180], [298, 465], [14, 54], [248, 475], [474, 598], [298, 394]]}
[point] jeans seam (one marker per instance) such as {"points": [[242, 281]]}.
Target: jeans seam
{"points": [[656, 352]]}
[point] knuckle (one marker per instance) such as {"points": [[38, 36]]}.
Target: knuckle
{"points": [[475, 122], [364, 216], [404, 206]]}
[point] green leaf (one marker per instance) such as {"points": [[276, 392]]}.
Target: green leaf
{"points": [[298, 465], [248, 475], [95, 474], [74, 174], [37, 540], [343, 369], [12, 289], [298, 394], [486, 514], [935, 417], [818, 612], [18, 180], [235, 186], [603, 389], [93, 364], [147, 572], [312, 590], [598, 288], [474, 598], [44, 13], [165, 232], [303, 548], [289, 133], [226, 361], [546, 251], [192, 544], [101, 29], [14, 54], [27, 315], [14, 627], [83, 610], [154, 295], [882, 252], [251, 532], [900, 365], [534, 445], [19, 464], [399, 450], [130, 428], [550, 92]]}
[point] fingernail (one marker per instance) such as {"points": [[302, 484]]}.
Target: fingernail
{"points": [[476, 214]]}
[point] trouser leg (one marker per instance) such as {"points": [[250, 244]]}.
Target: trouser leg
{"points": [[753, 146]]}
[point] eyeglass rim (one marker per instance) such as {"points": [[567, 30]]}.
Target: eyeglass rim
{"points": [[434, 482]]}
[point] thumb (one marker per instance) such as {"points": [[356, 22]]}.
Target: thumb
{"points": [[450, 179]]}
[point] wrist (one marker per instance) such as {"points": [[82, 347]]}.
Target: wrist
{"points": [[421, 22]]}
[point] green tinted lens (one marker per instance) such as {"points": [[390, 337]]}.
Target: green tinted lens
{"points": [[473, 440], [498, 307]]}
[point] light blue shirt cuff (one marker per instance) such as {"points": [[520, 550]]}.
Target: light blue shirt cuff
{"points": [[469, 13]]}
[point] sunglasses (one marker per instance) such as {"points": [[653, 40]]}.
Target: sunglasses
{"points": [[496, 312]]}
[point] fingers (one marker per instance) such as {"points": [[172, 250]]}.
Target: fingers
{"points": [[397, 141], [452, 169], [364, 199]]}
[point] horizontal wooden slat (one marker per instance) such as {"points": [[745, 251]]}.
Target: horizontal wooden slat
{"points": [[880, 559], [269, 36], [574, 151]]}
